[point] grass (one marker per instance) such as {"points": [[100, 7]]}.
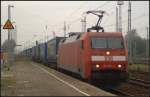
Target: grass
{"points": [[139, 67]]}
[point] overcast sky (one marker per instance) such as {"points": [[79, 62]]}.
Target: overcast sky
{"points": [[31, 17]]}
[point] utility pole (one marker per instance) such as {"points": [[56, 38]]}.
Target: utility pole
{"points": [[45, 33], [15, 40], [15, 34], [116, 19], [83, 22], [34, 39], [134, 48], [82, 25], [129, 31], [64, 29], [120, 3], [147, 43], [9, 17], [54, 34], [68, 27], [10, 56]]}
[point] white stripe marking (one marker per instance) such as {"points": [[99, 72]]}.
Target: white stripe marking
{"points": [[97, 58], [62, 80], [119, 58]]}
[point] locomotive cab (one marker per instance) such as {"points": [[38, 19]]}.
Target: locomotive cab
{"points": [[107, 55]]}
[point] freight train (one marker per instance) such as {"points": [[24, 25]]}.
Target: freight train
{"points": [[91, 55]]}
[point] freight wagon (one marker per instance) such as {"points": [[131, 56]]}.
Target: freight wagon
{"points": [[43, 52], [33, 53], [29, 52], [47, 52], [52, 50], [37, 52]]}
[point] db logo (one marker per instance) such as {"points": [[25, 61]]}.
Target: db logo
{"points": [[108, 58]]}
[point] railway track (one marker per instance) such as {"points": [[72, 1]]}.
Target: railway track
{"points": [[139, 82], [134, 87], [119, 92], [142, 77], [127, 89]]}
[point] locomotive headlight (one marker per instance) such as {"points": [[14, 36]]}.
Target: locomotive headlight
{"points": [[107, 53], [119, 66], [97, 65]]}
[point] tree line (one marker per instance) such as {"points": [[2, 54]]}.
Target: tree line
{"points": [[139, 46]]}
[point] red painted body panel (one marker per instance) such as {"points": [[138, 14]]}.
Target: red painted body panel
{"points": [[69, 55]]}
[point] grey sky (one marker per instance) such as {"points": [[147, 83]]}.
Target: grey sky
{"points": [[32, 16]]}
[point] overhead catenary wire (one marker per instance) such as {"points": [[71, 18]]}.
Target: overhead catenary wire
{"points": [[111, 10], [94, 9], [125, 21], [84, 4], [78, 19], [107, 2], [110, 25], [58, 24], [81, 6], [71, 14]]}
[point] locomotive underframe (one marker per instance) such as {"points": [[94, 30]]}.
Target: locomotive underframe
{"points": [[110, 75]]}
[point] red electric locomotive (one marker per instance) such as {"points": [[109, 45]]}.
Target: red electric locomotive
{"points": [[94, 55]]}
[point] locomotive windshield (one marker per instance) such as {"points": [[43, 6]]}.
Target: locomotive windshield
{"points": [[107, 42]]}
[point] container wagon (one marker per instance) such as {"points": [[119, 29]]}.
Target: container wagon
{"points": [[37, 52], [52, 51], [43, 52], [33, 53]]}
